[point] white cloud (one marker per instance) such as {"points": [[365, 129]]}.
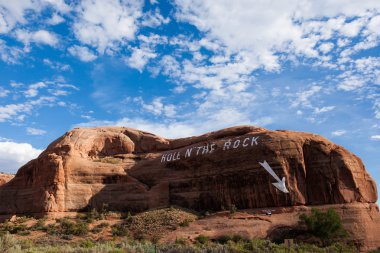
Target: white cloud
{"points": [[353, 28], [375, 137], [304, 97], [83, 53], [56, 65], [324, 109], [14, 84], [14, 112], [33, 89], [248, 35], [140, 57], [10, 111], [338, 132], [15, 12], [374, 24], [351, 83], [39, 37], [326, 47], [157, 107], [13, 155], [55, 19], [35, 131], [261, 29], [3, 92], [154, 18], [9, 54], [12, 12], [176, 129], [107, 23]]}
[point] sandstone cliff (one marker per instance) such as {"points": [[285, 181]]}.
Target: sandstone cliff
{"points": [[4, 178], [135, 170]]}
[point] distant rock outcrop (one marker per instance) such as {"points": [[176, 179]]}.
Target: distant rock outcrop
{"points": [[4, 178], [245, 166]]}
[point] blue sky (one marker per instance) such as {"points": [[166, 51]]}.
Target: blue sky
{"points": [[178, 69]]}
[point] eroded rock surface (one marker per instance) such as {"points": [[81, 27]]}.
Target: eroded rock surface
{"points": [[134, 170], [4, 178]]}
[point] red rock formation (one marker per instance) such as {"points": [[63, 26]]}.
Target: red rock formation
{"points": [[129, 170], [4, 178], [134, 170]]}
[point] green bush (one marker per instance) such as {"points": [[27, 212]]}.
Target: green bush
{"points": [[120, 230], [233, 209], [327, 226], [8, 244], [98, 228], [67, 227], [87, 244], [223, 239], [23, 233], [202, 239], [96, 214], [40, 225], [12, 228], [127, 216]]}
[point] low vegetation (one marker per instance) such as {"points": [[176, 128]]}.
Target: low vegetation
{"points": [[102, 231], [9, 244], [326, 226], [66, 227], [152, 224]]}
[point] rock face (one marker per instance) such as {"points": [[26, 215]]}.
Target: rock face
{"points": [[134, 170], [4, 178], [245, 166]]}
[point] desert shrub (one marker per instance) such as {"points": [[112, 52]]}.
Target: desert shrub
{"points": [[87, 244], [325, 225], [341, 247], [67, 237], [9, 244], [12, 228], [185, 223], [153, 224], [67, 227], [98, 228], [181, 241], [127, 216], [256, 245], [21, 219], [238, 238], [40, 225], [137, 247], [120, 230], [223, 239], [233, 209], [202, 239], [96, 214], [334, 248], [23, 233]]}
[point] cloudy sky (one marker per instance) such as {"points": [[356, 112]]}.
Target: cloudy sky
{"points": [[179, 68]]}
